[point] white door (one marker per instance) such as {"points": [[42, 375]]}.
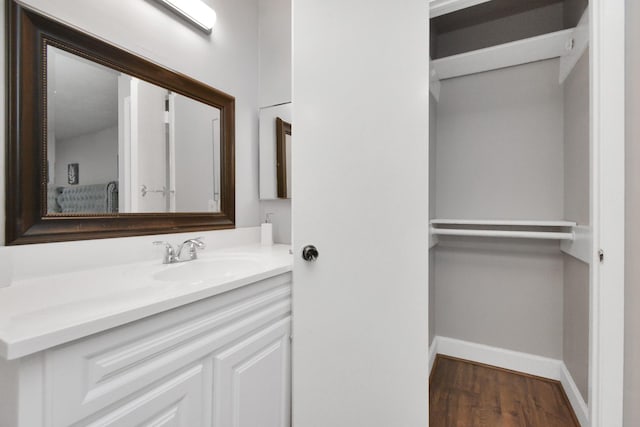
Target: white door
{"points": [[196, 130], [151, 166], [127, 142], [360, 168]]}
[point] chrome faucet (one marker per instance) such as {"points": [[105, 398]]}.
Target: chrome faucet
{"points": [[193, 245], [172, 255]]}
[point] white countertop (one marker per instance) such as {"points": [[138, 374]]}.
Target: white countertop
{"points": [[42, 312]]}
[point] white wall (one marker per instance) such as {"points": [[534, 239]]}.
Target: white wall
{"points": [[499, 155], [275, 88], [281, 218], [226, 60], [96, 154], [275, 52]]}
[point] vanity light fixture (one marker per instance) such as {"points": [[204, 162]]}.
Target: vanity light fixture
{"points": [[195, 11]]}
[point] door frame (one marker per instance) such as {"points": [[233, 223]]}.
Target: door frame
{"points": [[607, 130]]}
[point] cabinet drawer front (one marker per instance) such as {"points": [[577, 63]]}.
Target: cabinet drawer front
{"points": [[88, 375]]}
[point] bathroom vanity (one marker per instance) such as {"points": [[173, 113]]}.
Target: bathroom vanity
{"points": [[88, 337], [206, 342]]}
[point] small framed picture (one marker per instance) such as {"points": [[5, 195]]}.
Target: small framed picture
{"points": [[73, 171]]}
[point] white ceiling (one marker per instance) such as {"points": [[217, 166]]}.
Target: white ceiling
{"points": [[83, 95]]}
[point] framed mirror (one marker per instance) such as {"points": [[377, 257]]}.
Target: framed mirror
{"points": [[283, 162], [103, 143], [275, 168]]}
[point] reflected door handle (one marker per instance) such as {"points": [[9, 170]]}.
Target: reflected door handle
{"points": [[310, 253]]}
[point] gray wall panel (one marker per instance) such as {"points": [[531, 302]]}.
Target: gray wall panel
{"points": [[575, 343], [500, 144], [433, 107], [502, 294], [576, 208], [632, 226], [499, 155], [576, 143]]}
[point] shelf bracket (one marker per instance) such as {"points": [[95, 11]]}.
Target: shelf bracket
{"points": [[576, 46], [434, 81], [581, 245]]}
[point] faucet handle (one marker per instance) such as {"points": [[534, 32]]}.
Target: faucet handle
{"points": [[169, 253], [160, 242], [197, 242]]}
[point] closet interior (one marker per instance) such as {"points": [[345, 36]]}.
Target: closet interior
{"points": [[509, 149]]}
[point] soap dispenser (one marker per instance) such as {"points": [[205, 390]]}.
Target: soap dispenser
{"points": [[266, 231]]}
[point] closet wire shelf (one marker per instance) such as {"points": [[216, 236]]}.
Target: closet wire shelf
{"points": [[522, 229]]}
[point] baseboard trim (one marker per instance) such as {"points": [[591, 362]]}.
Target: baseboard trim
{"points": [[516, 361], [575, 397], [433, 351], [502, 358]]}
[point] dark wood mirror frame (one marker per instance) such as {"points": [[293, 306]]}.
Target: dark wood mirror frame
{"points": [[27, 220], [282, 130]]}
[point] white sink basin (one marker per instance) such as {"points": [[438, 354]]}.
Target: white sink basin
{"points": [[209, 269], [37, 313]]}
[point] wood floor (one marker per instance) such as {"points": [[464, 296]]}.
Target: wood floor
{"points": [[469, 394]]}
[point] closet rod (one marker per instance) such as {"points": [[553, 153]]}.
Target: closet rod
{"points": [[548, 235], [504, 222]]}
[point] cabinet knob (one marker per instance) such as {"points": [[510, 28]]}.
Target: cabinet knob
{"points": [[310, 253]]}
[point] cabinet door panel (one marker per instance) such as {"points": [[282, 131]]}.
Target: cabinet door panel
{"points": [[179, 401], [252, 386]]}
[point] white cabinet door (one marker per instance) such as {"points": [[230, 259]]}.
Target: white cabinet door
{"points": [[87, 376], [227, 356], [178, 401], [252, 380]]}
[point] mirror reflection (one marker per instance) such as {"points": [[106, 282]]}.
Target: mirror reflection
{"points": [[275, 152], [118, 144], [283, 167]]}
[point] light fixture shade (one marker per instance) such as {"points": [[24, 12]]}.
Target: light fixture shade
{"points": [[195, 11]]}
